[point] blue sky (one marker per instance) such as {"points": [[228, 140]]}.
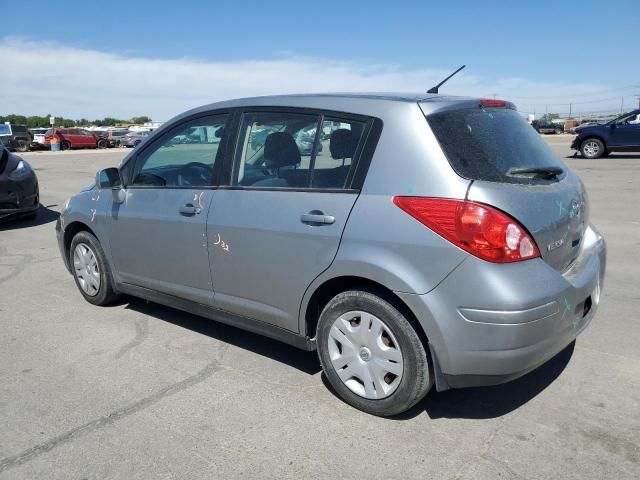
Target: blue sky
{"points": [[552, 52]]}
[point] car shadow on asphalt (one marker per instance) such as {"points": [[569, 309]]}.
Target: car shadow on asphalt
{"points": [[306, 362], [611, 156], [495, 401], [43, 215]]}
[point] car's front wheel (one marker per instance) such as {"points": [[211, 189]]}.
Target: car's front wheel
{"points": [[91, 270], [371, 354], [592, 148]]}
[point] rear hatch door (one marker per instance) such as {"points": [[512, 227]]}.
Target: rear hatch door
{"points": [[513, 169]]}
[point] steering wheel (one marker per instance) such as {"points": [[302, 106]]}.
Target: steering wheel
{"points": [[195, 173]]}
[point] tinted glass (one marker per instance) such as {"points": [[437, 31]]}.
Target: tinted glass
{"points": [[185, 158], [489, 143], [4, 129], [19, 128], [339, 142], [276, 149]]}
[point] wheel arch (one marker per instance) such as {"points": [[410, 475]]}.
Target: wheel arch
{"points": [[323, 293], [597, 137], [70, 231]]}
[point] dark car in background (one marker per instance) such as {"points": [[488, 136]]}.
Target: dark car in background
{"points": [[15, 137], [547, 126], [622, 134], [19, 194], [72, 138]]}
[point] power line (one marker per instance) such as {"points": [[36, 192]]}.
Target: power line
{"points": [[589, 94]]}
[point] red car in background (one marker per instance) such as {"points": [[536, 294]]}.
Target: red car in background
{"points": [[74, 138]]}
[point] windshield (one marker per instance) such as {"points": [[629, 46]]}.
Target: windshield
{"points": [[5, 129], [491, 144]]}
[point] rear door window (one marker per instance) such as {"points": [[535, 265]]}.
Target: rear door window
{"points": [[296, 150], [490, 143]]}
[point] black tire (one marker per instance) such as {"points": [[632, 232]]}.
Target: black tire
{"points": [[416, 378], [65, 145], [592, 148], [559, 131], [22, 145], [102, 143], [106, 293]]}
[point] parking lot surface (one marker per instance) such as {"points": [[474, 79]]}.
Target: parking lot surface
{"points": [[139, 390]]}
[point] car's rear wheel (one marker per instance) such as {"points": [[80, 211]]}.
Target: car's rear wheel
{"points": [[102, 143], [592, 148], [65, 145], [371, 354], [91, 270]]}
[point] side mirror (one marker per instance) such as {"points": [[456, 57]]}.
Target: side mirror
{"points": [[109, 178]]}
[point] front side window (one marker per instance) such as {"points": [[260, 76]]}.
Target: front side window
{"points": [[185, 158], [293, 150]]}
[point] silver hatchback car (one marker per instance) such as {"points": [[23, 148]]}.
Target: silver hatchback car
{"points": [[422, 240]]}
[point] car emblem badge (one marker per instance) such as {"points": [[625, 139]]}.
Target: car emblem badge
{"points": [[576, 209]]}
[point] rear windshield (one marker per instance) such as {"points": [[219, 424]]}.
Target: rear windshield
{"points": [[489, 143]]}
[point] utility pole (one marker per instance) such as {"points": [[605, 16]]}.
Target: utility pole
{"points": [[569, 110]]}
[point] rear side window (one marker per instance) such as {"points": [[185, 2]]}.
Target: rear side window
{"points": [[489, 143], [297, 151]]}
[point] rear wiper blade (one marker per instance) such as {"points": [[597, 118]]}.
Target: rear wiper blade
{"points": [[545, 172]]}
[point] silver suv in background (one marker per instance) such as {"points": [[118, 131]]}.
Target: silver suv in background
{"points": [[421, 240]]}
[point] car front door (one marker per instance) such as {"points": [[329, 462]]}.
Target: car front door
{"points": [[624, 133], [158, 235], [278, 224]]}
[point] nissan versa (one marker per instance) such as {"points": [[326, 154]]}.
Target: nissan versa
{"points": [[424, 240]]}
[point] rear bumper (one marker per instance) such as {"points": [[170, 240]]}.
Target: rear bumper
{"points": [[490, 323]]}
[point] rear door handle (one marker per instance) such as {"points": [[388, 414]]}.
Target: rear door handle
{"points": [[189, 210], [316, 217]]}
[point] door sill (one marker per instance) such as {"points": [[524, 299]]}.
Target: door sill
{"points": [[244, 323]]}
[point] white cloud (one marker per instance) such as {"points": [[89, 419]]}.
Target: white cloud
{"points": [[41, 78]]}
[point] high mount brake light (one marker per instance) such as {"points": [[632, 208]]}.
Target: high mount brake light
{"points": [[476, 228], [492, 103]]}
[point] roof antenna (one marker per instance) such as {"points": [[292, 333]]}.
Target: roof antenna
{"points": [[435, 89]]}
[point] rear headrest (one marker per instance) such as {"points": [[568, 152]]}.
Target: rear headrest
{"points": [[280, 150], [342, 144]]}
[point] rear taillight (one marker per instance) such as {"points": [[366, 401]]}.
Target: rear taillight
{"points": [[477, 228]]}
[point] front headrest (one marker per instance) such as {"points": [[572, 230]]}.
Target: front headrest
{"points": [[342, 144], [280, 150]]}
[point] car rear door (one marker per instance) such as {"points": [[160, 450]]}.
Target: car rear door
{"points": [[158, 235], [278, 224]]}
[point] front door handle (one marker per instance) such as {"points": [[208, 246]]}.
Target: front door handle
{"points": [[316, 217], [189, 210]]}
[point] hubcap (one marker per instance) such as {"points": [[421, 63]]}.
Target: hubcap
{"points": [[365, 354], [86, 268]]}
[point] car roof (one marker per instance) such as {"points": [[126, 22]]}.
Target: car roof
{"points": [[375, 103], [331, 99]]}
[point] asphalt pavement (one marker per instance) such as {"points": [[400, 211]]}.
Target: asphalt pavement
{"points": [[142, 391]]}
